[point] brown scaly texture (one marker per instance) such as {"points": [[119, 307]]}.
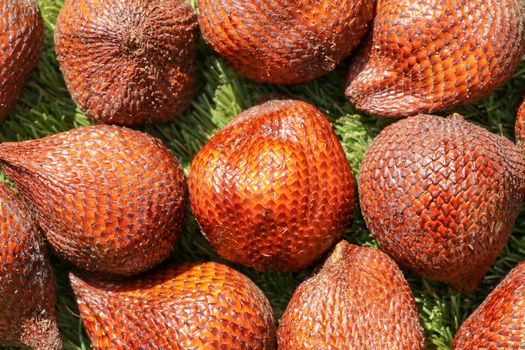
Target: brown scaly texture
{"points": [[499, 322], [190, 306], [359, 299], [128, 61], [285, 41], [441, 196], [431, 55], [27, 283], [21, 42], [273, 189], [109, 199]]}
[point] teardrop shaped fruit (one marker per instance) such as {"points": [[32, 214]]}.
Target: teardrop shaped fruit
{"points": [[273, 189], [27, 282], [287, 41], [499, 322], [359, 299], [432, 55], [128, 62], [441, 196], [21, 43], [190, 306], [109, 199]]}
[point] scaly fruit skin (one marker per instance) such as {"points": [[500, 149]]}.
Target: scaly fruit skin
{"points": [[359, 299], [431, 55], [21, 43], [190, 306], [273, 189], [284, 42], [520, 123], [499, 322], [128, 62], [441, 196], [27, 282], [109, 199]]}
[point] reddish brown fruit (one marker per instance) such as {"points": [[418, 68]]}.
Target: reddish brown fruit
{"points": [[128, 61], [21, 42], [441, 196], [284, 42], [499, 322], [27, 283], [191, 306], [431, 55], [109, 199], [358, 300], [520, 124], [273, 189]]}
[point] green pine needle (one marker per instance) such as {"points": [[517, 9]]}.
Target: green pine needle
{"points": [[46, 108]]}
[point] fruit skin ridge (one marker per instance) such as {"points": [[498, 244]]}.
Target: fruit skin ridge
{"points": [[286, 41], [189, 306], [27, 282], [499, 322], [109, 199], [128, 62], [273, 189], [432, 55], [21, 43], [441, 196], [358, 299]]}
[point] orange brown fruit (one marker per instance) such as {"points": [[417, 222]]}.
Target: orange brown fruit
{"points": [[427, 56], [190, 306], [441, 196], [27, 282], [499, 322], [273, 189], [21, 43], [359, 299], [109, 199], [128, 62], [284, 42]]}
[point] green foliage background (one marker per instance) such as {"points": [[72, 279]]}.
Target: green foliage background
{"points": [[46, 108]]}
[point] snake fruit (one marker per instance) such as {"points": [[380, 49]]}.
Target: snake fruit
{"points": [[109, 199], [273, 189], [128, 62], [441, 196], [432, 55]]}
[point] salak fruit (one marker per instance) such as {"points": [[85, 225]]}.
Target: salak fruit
{"points": [[431, 55], [499, 322], [273, 189], [21, 42], [287, 41], [128, 62], [27, 283], [441, 196], [190, 306], [109, 199], [359, 299]]}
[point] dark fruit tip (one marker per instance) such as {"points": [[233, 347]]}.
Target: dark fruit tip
{"points": [[42, 334]]}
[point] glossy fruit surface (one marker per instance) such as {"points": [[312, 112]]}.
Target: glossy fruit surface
{"points": [[432, 55], [359, 299], [273, 189], [27, 283], [499, 322], [191, 306], [128, 61], [21, 42], [441, 196], [109, 199], [284, 42]]}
